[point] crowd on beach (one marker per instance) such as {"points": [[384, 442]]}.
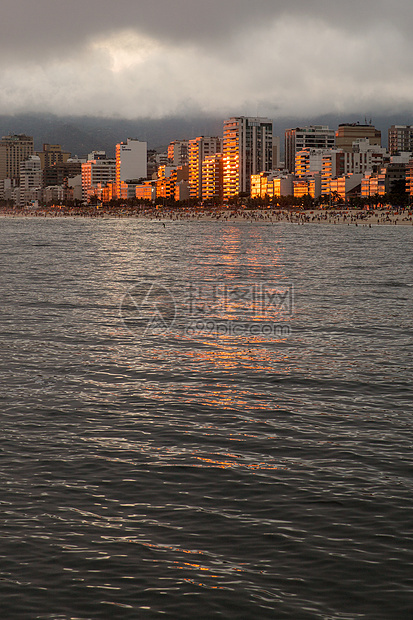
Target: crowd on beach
{"points": [[366, 217]]}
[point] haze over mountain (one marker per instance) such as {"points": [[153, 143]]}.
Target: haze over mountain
{"points": [[80, 134]]}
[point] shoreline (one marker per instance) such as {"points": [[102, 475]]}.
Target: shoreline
{"points": [[357, 217]]}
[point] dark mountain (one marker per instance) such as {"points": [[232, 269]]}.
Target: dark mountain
{"points": [[81, 134]]}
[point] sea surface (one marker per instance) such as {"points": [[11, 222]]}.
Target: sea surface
{"points": [[205, 420]]}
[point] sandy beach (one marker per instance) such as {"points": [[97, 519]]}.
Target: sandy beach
{"points": [[349, 217]]}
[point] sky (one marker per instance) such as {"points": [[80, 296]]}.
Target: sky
{"points": [[156, 58]]}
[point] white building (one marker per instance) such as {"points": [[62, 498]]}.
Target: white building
{"points": [[364, 157], [74, 188], [131, 161], [30, 180]]}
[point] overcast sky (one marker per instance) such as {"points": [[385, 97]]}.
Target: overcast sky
{"points": [[155, 58]]}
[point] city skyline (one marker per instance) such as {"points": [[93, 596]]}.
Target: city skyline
{"points": [[319, 162], [156, 60]]}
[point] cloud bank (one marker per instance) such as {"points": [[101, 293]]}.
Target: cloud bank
{"points": [[156, 58]]}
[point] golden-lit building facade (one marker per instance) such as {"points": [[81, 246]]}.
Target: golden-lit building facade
{"points": [[271, 184], [97, 172], [409, 178], [391, 177], [247, 150], [312, 137], [178, 151], [332, 166], [373, 184], [200, 148], [310, 185], [146, 191], [212, 172], [167, 180], [346, 184]]}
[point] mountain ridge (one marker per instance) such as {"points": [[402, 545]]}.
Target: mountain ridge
{"points": [[82, 134]]}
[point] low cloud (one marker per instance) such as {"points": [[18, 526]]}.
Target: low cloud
{"points": [[271, 58]]}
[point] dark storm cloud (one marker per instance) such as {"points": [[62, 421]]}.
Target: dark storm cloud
{"points": [[43, 26], [157, 57]]}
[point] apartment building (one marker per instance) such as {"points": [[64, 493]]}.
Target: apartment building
{"points": [[52, 154], [272, 184], [97, 172], [400, 139], [212, 173], [247, 149], [13, 150], [178, 153], [199, 149], [30, 188], [314, 136], [348, 133]]}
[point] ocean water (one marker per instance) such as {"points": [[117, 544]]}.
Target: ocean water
{"points": [[205, 419]]}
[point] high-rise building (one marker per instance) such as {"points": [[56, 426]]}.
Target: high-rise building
{"points": [[131, 161], [314, 136], [13, 150], [199, 149], [332, 166], [58, 173], [30, 180], [52, 154], [212, 177], [178, 153], [276, 152], [247, 150], [168, 179], [309, 160], [347, 133], [401, 139], [99, 171], [363, 157]]}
